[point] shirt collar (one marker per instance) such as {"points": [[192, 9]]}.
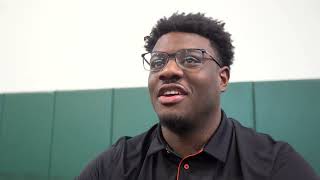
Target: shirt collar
{"points": [[157, 142], [218, 144]]}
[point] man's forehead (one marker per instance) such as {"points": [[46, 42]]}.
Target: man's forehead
{"points": [[174, 41]]}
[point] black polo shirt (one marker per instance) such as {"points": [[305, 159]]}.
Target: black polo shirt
{"points": [[234, 152]]}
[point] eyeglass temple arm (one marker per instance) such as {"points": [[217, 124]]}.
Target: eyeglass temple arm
{"points": [[218, 63], [144, 59]]}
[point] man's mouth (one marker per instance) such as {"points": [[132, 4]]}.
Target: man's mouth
{"points": [[171, 94]]}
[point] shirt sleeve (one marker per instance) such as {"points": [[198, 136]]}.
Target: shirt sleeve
{"points": [[99, 168], [290, 165]]}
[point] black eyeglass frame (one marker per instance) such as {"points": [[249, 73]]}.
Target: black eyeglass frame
{"points": [[203, 51]]}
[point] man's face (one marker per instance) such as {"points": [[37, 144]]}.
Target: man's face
{"points": [[182, 96]]}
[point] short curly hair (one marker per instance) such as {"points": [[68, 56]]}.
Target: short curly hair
{"points": [[195, 23]]}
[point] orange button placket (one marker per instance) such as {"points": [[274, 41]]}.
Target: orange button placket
{"points": [[186, 166]]}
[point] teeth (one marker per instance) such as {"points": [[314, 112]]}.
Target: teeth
{"points": [[171, 93]]}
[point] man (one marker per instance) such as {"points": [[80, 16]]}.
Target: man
{"points": [[189, 58]]}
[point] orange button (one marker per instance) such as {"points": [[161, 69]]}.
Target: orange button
{"points": [[186, 166]]}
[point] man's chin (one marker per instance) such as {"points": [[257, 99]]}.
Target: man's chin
{"points": [[178, 124]]}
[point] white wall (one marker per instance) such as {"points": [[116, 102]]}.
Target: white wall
{"points": [[77, 44]]}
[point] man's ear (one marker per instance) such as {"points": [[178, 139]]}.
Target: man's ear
{"points": [[224, 74]]}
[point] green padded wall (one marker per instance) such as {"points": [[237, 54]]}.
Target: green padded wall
{"points": [[82, 127], [25, 136], [237, 102], [1, 110], [133, 112], [290, 111]]}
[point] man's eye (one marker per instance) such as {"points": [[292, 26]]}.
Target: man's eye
{"points": [[191, 60], [156, 63]]}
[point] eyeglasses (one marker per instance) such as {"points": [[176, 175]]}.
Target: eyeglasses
{"points": [[187, 59]]}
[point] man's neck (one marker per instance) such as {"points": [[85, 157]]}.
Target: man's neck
{"points": [[191, 143]]}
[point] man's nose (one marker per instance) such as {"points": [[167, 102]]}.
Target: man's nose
{"points": [[171, 71]]}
